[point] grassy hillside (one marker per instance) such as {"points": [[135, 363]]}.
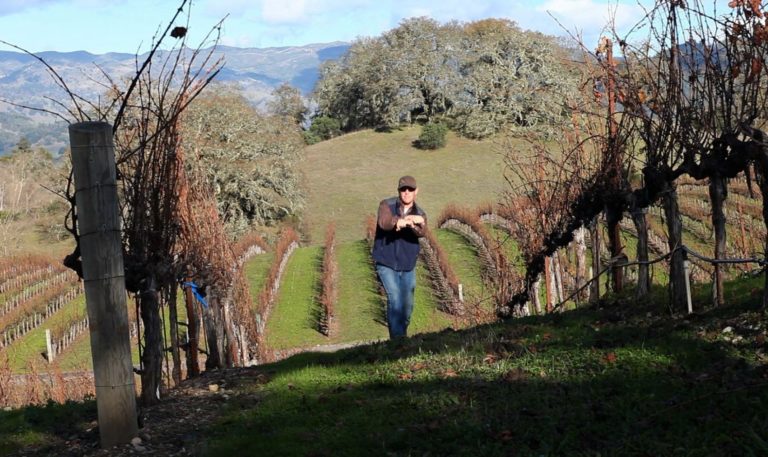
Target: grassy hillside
{"points": [[618, 379], [360, 306], [347, 177]]}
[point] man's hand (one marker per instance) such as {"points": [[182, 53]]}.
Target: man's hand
{"points": [[402, 223], [415, 219]]}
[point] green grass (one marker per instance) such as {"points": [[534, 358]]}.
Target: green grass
{"points": [[360, 307], [40, 426], [618, 379], [255, 271], [78, 356], [612, 381], [465, 263], [29, 347], [348, 176], [426, 315], [508, 245], [293, 320]]}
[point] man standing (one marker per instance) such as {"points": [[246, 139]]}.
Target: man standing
{"points": [[400, 223]]}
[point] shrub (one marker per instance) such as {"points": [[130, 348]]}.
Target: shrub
{"points": [[310, 138], [433, 136], [322, 128]]}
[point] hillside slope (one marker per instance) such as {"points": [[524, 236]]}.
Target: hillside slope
{"points": [[346, 177]]}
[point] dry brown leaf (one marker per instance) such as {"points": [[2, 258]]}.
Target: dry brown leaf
{"points": [[490, 358], [449, 373]]}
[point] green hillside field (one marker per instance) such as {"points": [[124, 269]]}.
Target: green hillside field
{"points": [[346, 177]]}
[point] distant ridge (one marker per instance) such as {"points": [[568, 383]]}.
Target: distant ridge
{"points": [[24, 80]]}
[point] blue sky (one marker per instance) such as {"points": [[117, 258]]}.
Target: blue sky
{"points": [[100, 26]]}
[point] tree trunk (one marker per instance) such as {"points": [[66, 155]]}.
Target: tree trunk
{"points": [[718, 192], [594, 234], [221, 333], [212, 324], [678, 301], [761, 170], [643, 273], [612, 218], [231, 353], [193, 332], [174, 327], [152, 358]]}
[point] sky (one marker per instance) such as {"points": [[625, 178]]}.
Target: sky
{"points": [[100, 26]]}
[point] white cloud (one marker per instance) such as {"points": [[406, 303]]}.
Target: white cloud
{"points": [[238, 41], [282, 12], [218, 8], [592, 15], [8, 7]]}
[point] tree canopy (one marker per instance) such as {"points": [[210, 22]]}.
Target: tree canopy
{"points": [[249, 158], [480, 77]]}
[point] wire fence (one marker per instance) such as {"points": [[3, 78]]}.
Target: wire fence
{"points": [[621, 262]]}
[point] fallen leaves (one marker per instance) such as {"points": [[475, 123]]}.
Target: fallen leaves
{"points": [[491, 358], [610, 358], [418, 366], [449, 373]]}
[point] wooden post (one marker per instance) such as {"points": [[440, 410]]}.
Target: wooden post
{"points": [[594, 235], [98, 217], [687, 269], [48, 346], [548, 284], [174, 327]]}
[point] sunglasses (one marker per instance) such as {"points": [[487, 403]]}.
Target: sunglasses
{"points": [[409, 189]]}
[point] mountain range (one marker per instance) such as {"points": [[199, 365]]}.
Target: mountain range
{"points": [[24, 80]]}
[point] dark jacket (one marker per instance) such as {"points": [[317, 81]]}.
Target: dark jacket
{"points": [[397, 249]]}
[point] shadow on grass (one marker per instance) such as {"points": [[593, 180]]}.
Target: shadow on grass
{"points": [[613, 380], [42, 426], [610, 381]]}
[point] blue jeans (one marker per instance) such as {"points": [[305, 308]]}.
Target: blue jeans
{"points": [[400, 286]]}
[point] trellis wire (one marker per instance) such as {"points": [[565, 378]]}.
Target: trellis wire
{"points": [[615, 262]]}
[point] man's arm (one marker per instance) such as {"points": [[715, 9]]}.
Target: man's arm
{"points": [[385, 219]]}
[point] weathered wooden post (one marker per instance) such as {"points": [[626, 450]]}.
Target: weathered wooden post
{"points": [[687, 270], [98, 217], [49, 346]]}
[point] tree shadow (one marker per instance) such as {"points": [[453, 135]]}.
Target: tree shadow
{"points": [[686, 393]]}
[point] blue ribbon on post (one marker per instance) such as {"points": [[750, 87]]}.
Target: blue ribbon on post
{"points": [[195, 292]]}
